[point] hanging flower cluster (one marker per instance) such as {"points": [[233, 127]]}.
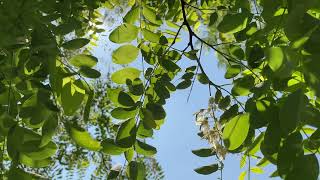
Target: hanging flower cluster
{"points": [[212, 135]]}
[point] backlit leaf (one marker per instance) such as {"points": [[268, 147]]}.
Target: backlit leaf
{"points": [[124, 33], [126, 135], [82, 138], [233, 23], [83, 60], [122, 75], [125, 54], [236, 131]]}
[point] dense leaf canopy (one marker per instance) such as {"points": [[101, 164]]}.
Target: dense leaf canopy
{"points": [[270, 111]]}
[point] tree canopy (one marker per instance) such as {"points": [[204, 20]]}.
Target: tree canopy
{"points": [[270, 111]]}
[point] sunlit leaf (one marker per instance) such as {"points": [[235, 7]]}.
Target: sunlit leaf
{"points": [[82, 138], [122, 75], [275, 58], [151, 15], [233, 23], [83, 60], [124, 33], [236, 131], [132, 16], [126, 135], [125, 54]]}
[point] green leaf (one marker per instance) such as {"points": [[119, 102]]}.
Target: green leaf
{"points": [[124, 33], [122, 75], [289, 151], [255, 146], [151, 36], [125, 99], [257, 170], [71, 99], [75, 44], [32, 150], [236, 52], [126, 135], [147, 118], [184, 84], [188, 75], [132, 16], [89, 73], [305, 167], [191, 54], [144, 131], [87, 108], [170, 66], [203, 78], [229, 113], [125, 54], [158, 113], [232, 71], [275, 58], [6, 122], [48, 130], [114, 173], [263, 162], [206, 170], [243, 160], [34, 163], [224, 102], [83, 60], [109, 147], [151, 16], [14, 143], [213, 18], [243, 86], [129, 154], [16, 173], [290, 112], [123, 113], [236, 130], [233, 23], [113, 95], [82, 138], [302, 40], [204, 152], [218, 96], [136, 170], [272, 138], [136, 87], [242, 175], [144, 149]]}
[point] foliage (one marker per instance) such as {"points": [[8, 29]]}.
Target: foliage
{"points": [[269, 49]]}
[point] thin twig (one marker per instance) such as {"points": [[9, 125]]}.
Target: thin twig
{"points": [[191, 35]]}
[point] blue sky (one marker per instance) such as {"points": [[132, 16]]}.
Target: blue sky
{"points": [[178, 136]]}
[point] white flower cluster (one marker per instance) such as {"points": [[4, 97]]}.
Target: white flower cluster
{"points": [[212, 135]]}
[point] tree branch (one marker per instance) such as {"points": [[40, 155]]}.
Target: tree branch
{"points": [[191, 35]]}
